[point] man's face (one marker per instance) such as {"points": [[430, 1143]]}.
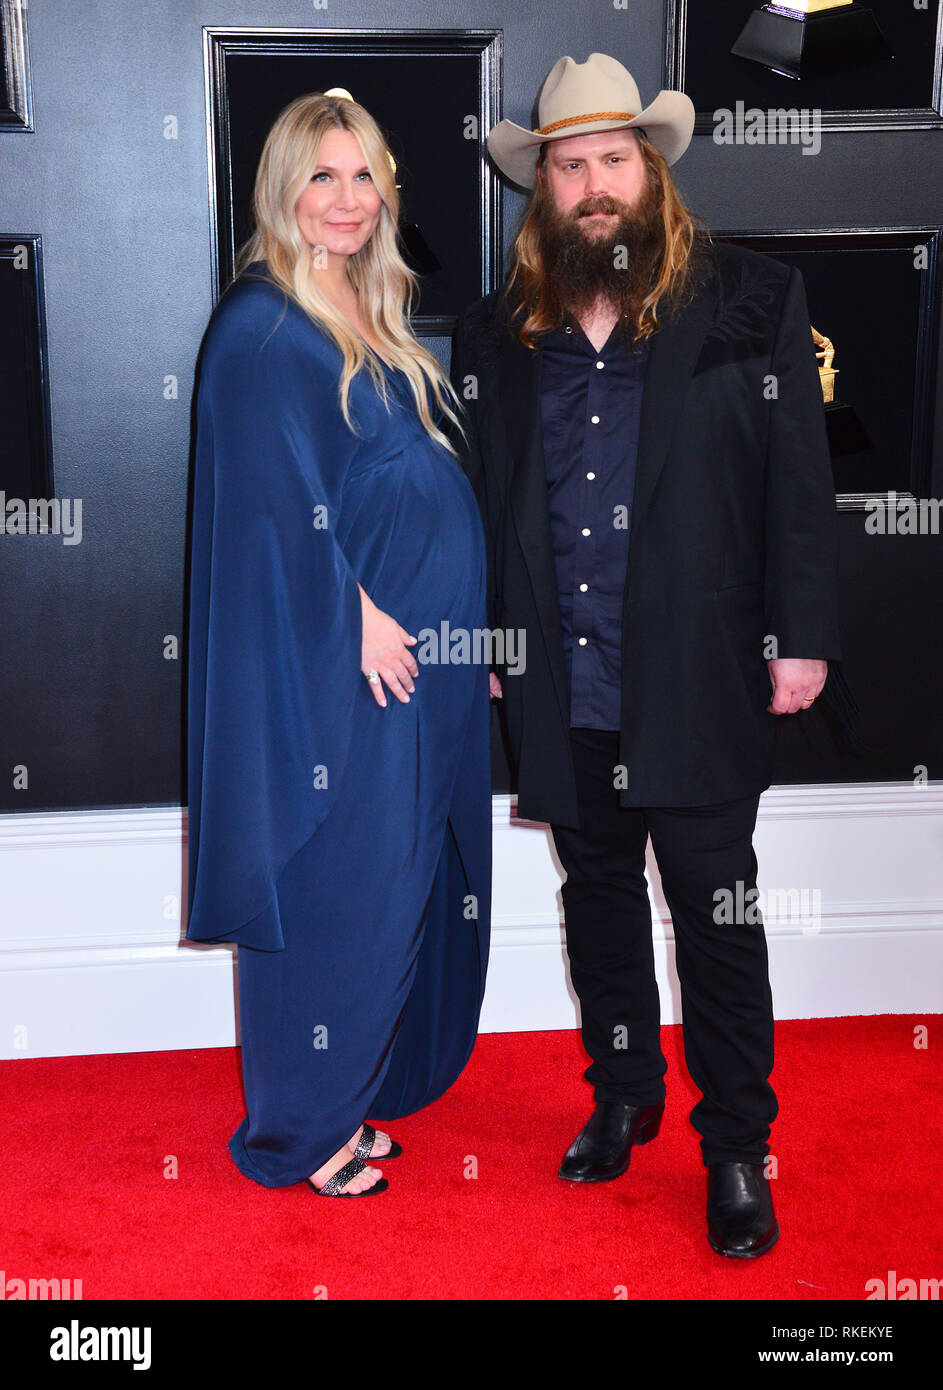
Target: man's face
{"points": [[579, 171]]}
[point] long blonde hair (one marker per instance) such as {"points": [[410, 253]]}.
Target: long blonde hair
{"points": [[684, 239], [385, 285]]}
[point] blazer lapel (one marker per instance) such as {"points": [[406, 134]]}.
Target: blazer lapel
{"points": [[674, 351], [527, 494]]}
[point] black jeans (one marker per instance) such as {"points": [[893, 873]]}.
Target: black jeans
{"points": [[726, 1000]]}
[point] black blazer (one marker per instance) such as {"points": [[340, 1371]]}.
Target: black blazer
{"points": [[733, 539]]}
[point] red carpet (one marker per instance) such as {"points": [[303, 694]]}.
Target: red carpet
{"points": [[859, 1143]]}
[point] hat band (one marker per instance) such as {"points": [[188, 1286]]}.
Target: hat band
{"points": [[581, 120]]}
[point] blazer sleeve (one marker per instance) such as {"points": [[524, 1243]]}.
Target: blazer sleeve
{"points": [[801, 587], [275, 618]]}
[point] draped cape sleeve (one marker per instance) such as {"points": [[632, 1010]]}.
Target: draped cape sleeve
{"points": [[275, 618]]}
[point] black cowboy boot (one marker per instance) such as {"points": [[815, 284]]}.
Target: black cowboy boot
{"points": [[602, 1149], [740, 1218]]}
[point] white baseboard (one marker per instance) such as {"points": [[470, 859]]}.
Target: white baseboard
{"points": [[91, 959]]}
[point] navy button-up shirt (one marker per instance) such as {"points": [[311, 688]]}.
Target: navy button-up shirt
{"points": [[590, 409]]}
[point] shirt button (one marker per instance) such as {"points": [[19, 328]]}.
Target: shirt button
{"points": [[582, 641], [595, 419], [599, 366], [590, 476], [568, 329], [583, 588], [585, 530]]}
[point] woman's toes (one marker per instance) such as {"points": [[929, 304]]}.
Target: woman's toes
{"points": [[381, 1144], [359, 1183], [362, 1181]]}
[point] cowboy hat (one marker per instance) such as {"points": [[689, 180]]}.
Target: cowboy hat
{"points": [[580, 98]]}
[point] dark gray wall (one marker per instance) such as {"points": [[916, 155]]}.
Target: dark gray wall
{"points": [[89, 703]]}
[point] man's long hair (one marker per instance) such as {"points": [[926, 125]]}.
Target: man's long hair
{"points": [[386, 287], [674, 247]]}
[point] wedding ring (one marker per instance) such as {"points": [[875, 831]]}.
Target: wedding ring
{"points": [[372, 676]]}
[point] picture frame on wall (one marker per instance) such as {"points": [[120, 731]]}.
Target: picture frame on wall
{"points": [[25, 432], [436, 95], [874, 302], [864, 64], [16, 105]]}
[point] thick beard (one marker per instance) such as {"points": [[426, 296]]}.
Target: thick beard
{"points": [[581, 268]]}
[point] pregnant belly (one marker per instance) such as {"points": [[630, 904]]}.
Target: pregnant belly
{"points": [[411, 530]]}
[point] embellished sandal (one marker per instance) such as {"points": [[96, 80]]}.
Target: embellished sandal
{"points": [[364, 1147], [337, 1180]]}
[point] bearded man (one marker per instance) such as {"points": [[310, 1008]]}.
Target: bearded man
{"points": [[646, 437]]}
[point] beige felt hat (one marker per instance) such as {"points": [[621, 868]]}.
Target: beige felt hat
{"points": [[579, 98]]}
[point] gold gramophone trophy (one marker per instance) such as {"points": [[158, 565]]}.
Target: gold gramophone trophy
{"points": [[812, 38], [846, 433]]}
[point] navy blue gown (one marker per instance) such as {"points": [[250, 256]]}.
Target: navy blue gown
{"points": [[344, 847]]}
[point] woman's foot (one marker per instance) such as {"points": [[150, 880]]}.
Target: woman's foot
{"points": [[381, 1144], [360, 1183]]}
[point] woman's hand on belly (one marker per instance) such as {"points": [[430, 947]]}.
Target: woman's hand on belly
{"points": [[384, 650]]}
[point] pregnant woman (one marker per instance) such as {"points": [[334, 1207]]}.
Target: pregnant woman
{"points": [[339, 786]]}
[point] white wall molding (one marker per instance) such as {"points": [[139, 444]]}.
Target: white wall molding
{"points": [[91, 958], [810, 802]]}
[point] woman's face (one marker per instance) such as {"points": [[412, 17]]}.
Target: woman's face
{"points": [[340, 206]]}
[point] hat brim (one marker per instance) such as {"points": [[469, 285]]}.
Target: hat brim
{"points": [[668, 122]]}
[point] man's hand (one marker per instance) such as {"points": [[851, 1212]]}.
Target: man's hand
{"points": [[495, 687], [796, 683]]}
